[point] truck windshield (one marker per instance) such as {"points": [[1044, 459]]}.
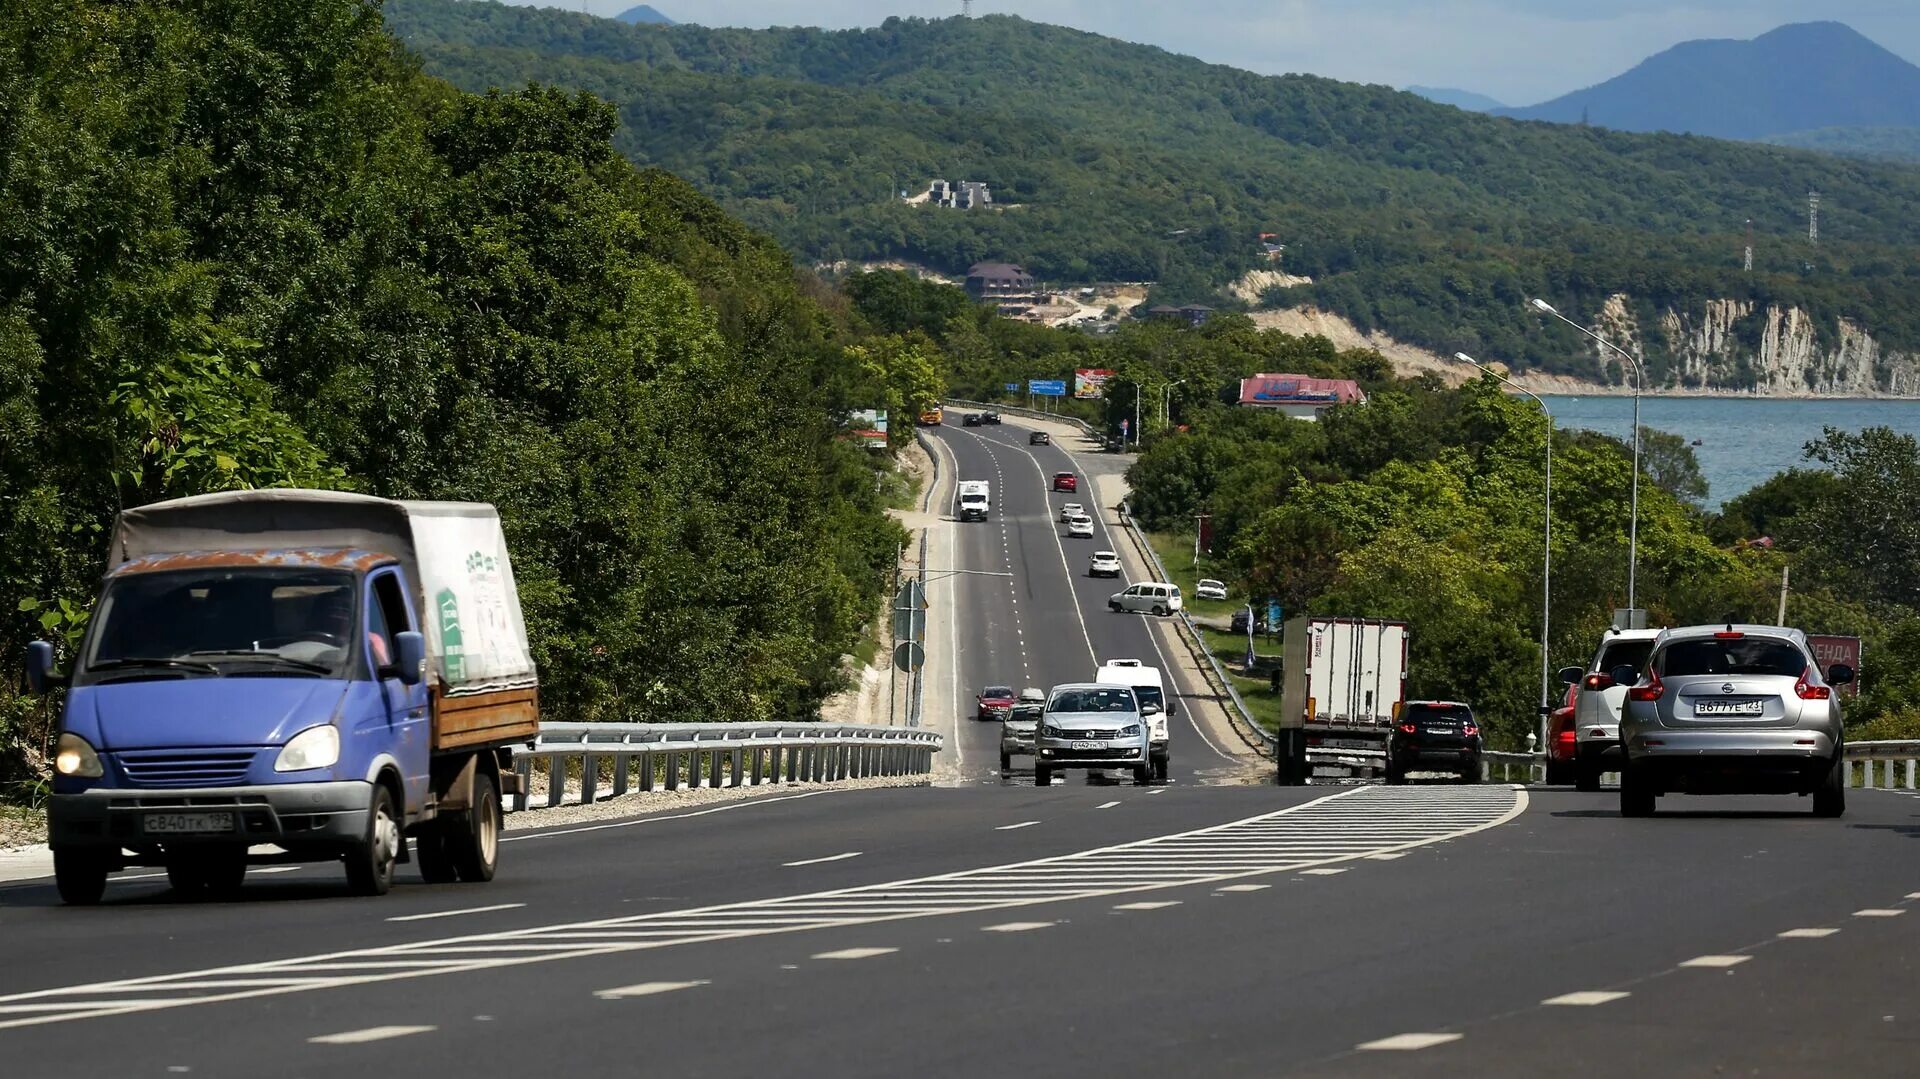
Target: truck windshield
{"points": [[222, 621]]}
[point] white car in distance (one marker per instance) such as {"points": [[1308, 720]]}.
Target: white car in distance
{"points": [[1071, 510], [1103, 564], [1208, 588], [1080, 527]]}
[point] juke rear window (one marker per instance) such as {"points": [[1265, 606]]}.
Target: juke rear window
{"points": [[1726, 656]]}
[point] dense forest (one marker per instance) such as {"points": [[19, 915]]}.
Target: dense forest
{"points": [[1112, 161], [245, 243]]}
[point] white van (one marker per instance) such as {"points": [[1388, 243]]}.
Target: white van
{"points": [[1147, 689], [974, 501], [1149, 597]]}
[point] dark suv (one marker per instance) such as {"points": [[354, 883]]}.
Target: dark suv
{"points": [[1434, 736], [1039, 438]]}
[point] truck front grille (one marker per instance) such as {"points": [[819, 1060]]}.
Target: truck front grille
{"points": [[191, 768]]}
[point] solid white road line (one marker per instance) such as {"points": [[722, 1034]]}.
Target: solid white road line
{"points": [[828, 858], [1716, 962], [1106, 805], [1586, 998], [1015, 927], [1807, 934], [1243, 887], [1011, 827], [370, 1034], [1879, 912], [1161, 905], [856, 953], [455, 913], [646, 989], [1404, 1042]]}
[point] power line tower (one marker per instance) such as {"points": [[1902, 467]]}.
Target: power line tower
{"points": [[1813, 218], [1746, 263], [966, 9]]}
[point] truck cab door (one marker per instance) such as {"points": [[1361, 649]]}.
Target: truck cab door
{"points": [[408, 708]]}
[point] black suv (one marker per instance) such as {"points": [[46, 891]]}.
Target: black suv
{"points": [[1039, 438], [1434, 736], [989, 417], [972, 419]]}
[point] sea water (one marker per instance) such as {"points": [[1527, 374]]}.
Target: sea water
{"points": [[1742, 440]]}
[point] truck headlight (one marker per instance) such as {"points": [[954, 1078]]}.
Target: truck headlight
{"points": [[315, 747], [74, 757]]}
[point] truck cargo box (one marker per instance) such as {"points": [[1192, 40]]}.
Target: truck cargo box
{"points": [[1343, 673], [455, 557]]}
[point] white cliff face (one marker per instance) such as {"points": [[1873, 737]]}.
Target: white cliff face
{"points": [[1733, 346]]}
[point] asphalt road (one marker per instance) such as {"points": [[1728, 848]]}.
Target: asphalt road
{"points": [[1047, 621], [993, 927]]}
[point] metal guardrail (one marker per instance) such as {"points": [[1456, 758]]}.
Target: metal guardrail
{"points": [[1862, 754], [672, 755]]}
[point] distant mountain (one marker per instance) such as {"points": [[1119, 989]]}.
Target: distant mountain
{"points": [[1459, 99], [644, 14], [1800, 77]]}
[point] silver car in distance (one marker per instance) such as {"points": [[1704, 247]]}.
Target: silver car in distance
{"points": [[1088, 725]]}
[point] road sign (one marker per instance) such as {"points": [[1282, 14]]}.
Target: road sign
{"points": [[1829, 650], [1123, 426], [910, 623], [1012, 387], [1047, 387], [1273, 615], [909, 656]]}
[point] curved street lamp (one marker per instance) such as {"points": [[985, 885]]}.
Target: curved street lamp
{"points": [[1639, 386], [1546, 561], [1166, 402]]}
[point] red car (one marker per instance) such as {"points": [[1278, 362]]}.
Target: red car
{"points": [[994, 702], [1065, 481], [1560, 739]]}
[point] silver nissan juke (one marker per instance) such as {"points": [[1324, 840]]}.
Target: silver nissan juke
{"points": [[1733, 709]]}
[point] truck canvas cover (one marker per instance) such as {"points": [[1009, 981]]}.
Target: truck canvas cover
{"points": [[454, 552]]}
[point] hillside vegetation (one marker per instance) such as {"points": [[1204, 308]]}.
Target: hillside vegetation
{"points": [[1112, 161], [246, 244]]}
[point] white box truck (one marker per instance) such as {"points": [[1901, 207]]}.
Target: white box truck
{"points": [[1343, 682], [975, 500]]}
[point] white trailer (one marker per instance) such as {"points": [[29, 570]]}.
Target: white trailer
{"points": [[1343, 682]]}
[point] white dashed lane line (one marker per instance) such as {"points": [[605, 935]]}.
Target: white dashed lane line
{"points": [[1243, 888], [1879, 912], [1585, 999], [1011, 827], [1106, 805], [856, 953], [1409, 1042], [1807, 934], [1158, 905], [1016, 927], [828, 858], [1715, 962], [370, 1034], [646, 989]]}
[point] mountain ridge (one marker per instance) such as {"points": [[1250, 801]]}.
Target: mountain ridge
{"points": [[1458, 98]]}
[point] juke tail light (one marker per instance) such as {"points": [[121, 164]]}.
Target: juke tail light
{"points": [[1807, 691], [1650, 690]]}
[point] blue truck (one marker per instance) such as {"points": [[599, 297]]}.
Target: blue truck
{"points": [[291, 676]]}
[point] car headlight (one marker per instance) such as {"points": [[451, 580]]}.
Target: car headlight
{"points": [[1131, 730], [315, 747], [1052, 731], [74, 757]]}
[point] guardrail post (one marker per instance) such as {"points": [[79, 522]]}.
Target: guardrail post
{"points": [[673, 769], [556, 779], [737, 760], [1886, 776], [1866, 774], [523, 764], [589, 777], [843, 760], [819, 773], [1909, 773], [716, 760], [621, 763], [755, 781]]}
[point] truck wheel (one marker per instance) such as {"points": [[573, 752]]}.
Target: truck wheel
{"points": [[1830, 797], [1042, 775], [200, 874], [1160, 769], [1006, 761], [370, 861], [1586, 776], [430, 850], [476, 848], [1142, 775], [81, 876]]}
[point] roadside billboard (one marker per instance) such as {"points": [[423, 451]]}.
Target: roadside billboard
{"points": [[1829, 649], [868, 419], [1090, 382], [1047, 387]]}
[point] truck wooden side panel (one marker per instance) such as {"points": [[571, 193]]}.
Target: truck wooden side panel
{"points": [[472, 720]]}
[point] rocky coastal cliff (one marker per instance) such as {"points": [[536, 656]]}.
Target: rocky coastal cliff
{"points": [[1736, 346]]}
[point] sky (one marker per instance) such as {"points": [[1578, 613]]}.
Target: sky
{"points": [[1518, 51]]}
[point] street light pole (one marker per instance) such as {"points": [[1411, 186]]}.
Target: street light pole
{"points": [[1166, 403], [1639, 386], [1546, 561]]}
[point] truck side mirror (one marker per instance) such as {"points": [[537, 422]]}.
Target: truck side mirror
{"points": [[1570, 675], [411, 657], [40, 676], [1839, 674], [1149, 709]]}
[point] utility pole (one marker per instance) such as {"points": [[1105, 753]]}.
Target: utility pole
{"points": [[1782, 619], [1747, 263], [1813, 218]]}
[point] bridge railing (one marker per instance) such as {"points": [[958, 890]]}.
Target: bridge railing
{"points": [[1897, 763], [671, 755]]}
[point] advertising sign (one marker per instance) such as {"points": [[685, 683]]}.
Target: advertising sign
{"points": [[869, 419], [1829, 650], [1090, 382], [1047, 387]]}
